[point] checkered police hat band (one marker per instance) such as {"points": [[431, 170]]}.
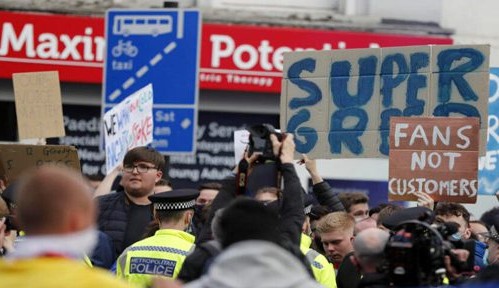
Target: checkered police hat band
{"points": [[175, 206]]}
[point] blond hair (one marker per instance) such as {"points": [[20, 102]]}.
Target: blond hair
{"points": [[336, 221]]}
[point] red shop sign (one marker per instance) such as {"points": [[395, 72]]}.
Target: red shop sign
{"points": [[233, 57]]}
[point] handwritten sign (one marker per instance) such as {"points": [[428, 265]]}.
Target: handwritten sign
{"points": [[16, 158], [128, 125], [488, 165], [339, 103], [437, 156], [38, 104]]}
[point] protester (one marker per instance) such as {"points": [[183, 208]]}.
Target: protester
{"points": [[164, 253], [369, 246], [124, 215], [356, 204], [256, 263], [207, 192], [57, 213], [336, 233]]}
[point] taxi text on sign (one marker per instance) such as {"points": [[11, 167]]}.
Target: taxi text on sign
{"points": [[161, 47], [339, 103]]}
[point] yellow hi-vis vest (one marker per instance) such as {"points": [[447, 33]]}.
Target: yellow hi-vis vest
{"points": [[160, 255], [322, 269]]}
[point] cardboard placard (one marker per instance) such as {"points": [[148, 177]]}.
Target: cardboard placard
{"points": [[338, 103], [38, 105], [128, 125], [437, 156], [16, 158], [488, 165]]}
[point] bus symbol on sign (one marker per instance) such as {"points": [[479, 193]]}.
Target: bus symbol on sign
{"points": [[142, 25]]}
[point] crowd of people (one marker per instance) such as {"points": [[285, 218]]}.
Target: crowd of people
{"points": [[136, 230]]}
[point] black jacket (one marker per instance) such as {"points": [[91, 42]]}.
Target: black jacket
{"points": [[327, 197], [113, 218], [291, 211]]}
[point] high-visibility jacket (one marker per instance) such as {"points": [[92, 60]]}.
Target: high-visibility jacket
{"points": [[322, 269], [160, 255], [49, 272]]}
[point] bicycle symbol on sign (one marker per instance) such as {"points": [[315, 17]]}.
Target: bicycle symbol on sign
{"points": [[125, 47]]}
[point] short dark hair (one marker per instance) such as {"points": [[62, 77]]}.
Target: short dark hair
{"points": [[164, 182], [452, 209], [146, 154], [387, 212], [248, 219], [489, 216], [210, 185], [170, 216], [348, 199]]}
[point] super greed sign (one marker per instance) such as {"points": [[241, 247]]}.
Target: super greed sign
{"points": [[339, 103]]}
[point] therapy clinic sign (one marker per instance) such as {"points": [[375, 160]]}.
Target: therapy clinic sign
{"points": [[339, 103], [437, 156], [488, 164], [128, 125]]}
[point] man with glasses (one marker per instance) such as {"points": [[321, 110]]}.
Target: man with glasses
{"points": [[123, 215]]}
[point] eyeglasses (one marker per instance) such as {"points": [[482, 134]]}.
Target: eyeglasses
{"points": [[141, 168]]}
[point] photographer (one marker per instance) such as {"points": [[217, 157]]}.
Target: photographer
{"points": [[290, 207]]}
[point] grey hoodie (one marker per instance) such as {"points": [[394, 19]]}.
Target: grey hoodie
{"points": [[255, 264]]}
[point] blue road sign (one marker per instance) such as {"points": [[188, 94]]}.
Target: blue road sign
{"points": [[158, 46]]}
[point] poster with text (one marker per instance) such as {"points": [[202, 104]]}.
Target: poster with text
{"points": [[434, 155], [338, 103], [128, 125], [488, 166]]}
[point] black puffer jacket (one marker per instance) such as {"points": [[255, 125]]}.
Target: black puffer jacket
{"points": [[327, 197], [113, 217]]}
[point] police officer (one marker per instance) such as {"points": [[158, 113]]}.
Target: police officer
{"points": [[164, 253]]}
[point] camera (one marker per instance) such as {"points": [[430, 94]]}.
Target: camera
{"points": [[415, 253], [259, 141], [449, 231], [265, 172]]}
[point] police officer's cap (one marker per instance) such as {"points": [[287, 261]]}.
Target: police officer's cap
{"points": [[175, 200]]}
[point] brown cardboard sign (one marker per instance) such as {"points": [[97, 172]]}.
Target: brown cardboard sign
{"points": [[38, 104], [434, 155], [16, 158]]}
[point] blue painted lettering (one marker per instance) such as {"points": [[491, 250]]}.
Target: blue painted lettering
{"points": [[447, 76], [313, 91], [308, 133], [347, 135]]}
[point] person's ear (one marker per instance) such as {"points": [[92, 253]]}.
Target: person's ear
{"points": [[159, 175], [467, 233]]}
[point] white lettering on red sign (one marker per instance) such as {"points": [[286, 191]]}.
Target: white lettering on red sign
{"points": [[247, 56], [86, 47]]}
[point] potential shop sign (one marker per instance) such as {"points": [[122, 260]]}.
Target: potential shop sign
{"points": [[250, 58], [339, 103], [158, 46], [233, 57], [437, 156]]}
